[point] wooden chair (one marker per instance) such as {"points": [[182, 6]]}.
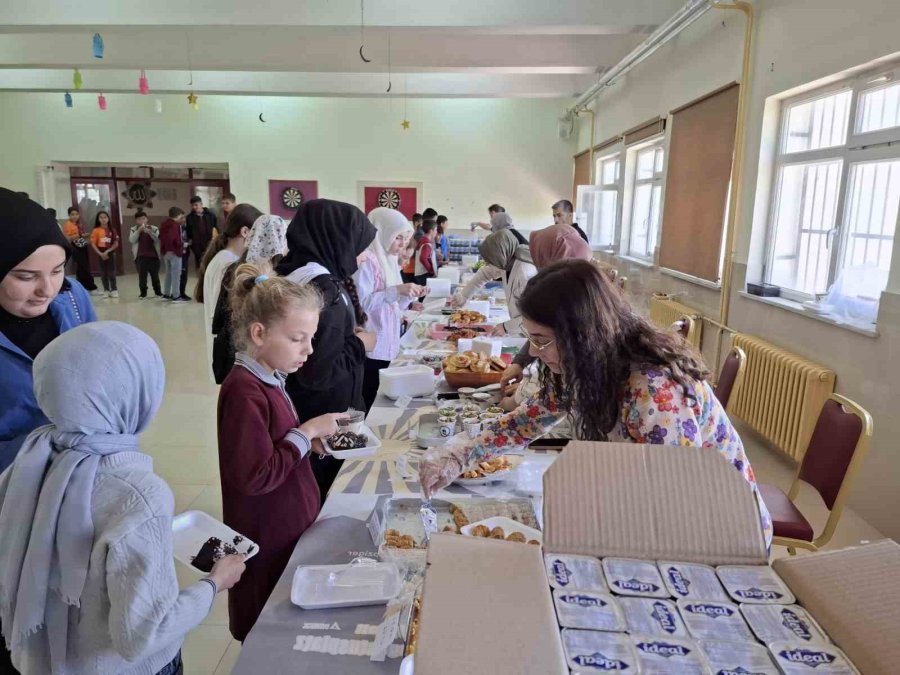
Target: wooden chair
{"points": [[731, 377], [835, 452]]}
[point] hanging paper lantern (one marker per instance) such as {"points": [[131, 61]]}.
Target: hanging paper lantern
{"points": [[76, 79], [193, 101], [98, 46], [68, 99], [158, 105], [101, 101], [143, 85]]}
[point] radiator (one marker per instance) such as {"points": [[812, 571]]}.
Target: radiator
{"points": [[781, 395], [664, 312]]}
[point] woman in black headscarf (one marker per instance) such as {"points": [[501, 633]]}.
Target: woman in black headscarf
{"points": [[324, 239]]}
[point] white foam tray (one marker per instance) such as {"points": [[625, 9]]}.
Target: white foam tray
{"points": [[367, 451], [310, 588], [497, 477], [191, 529]]}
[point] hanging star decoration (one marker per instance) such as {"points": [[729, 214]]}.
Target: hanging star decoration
{"points": [[193, 101], [405, 125]]}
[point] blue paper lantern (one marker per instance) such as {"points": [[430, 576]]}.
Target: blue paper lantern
{"points": [[98, 46], [68, 99]]}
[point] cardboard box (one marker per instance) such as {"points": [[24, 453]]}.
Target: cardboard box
{"points": [[487, 607]]}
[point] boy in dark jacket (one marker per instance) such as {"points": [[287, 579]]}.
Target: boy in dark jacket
{"points": [[171, 245], [202, 228]]}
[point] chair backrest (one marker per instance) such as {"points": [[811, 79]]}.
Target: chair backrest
{"points": [[730, 376], [838, 441]]}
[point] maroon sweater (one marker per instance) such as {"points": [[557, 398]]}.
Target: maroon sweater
{"points": [[269, 493], [170, 237]]}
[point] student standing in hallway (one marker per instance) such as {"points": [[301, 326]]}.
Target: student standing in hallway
{"points": [[171, 245], [80, 240], [426, 257], [202, 228], [144, 239], [105, 242], [229, 201]]}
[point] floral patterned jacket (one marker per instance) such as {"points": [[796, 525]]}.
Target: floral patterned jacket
{"points": [[655, 410]]}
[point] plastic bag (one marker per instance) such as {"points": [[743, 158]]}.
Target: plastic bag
{"points": [[854, 297]]}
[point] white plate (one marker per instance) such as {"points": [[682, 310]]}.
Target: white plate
{"points": [[191, 529], [367, 451], [353, 586], [509, 526], [497, 477]]}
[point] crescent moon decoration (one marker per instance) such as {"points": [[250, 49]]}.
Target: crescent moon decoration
{"points": [[363, 56], [389, 87], [261, 118]]}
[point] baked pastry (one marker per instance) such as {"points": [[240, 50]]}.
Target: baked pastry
{"points": [[498, 533], [517, 536], [347, 440]]}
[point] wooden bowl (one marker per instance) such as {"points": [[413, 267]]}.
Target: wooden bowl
{"points": [[469, 379]]}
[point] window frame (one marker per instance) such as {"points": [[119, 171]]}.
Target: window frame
{"points": [[615, 152], [630, 188], [857, 148]]}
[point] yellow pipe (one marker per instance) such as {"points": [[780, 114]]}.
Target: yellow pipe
{"points": [[588, 111], [737, 166]]}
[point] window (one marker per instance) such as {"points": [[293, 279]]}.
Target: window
{"points": [[646, 165], [598, 205], [837, 185]]}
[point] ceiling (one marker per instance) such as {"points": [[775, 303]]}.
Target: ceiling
{"points": [[418, 48]]}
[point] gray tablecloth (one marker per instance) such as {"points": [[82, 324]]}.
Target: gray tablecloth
{"points": [[269, 647]]}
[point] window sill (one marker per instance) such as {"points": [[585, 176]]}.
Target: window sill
{"points": [[636, 261], [797, 308], [692, 279]]}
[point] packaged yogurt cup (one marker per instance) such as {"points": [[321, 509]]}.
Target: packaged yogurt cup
{"points": [[708, 620], [778, 623], [634, 577], [587, 609], [666, 655], [692, 581], [575, 571], [652, 616], [756, 584], [589, 651], [737, 658], [796, 658]]}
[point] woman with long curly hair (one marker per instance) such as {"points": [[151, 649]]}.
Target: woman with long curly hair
{"points": [[615, 375]]}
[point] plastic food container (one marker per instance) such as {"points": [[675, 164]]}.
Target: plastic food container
{"points": [[362, 582], [407, 381], [367, 451], [451, 273]]}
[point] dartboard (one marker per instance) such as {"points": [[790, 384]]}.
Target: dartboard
{"points": [[389, 199], [292, 198]]}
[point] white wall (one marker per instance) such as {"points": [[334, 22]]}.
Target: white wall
{"points": [[796, 42], [468, 153]]}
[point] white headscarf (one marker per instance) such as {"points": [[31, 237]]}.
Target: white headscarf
{"points": [[389, 223], [268, 238]]}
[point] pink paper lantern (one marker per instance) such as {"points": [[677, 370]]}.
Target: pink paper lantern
{"points": [[143, 85], [101, 102]]}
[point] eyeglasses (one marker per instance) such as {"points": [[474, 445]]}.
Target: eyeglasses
{"points": [[540, 346]]}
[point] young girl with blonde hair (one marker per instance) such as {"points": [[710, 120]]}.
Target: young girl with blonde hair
{"points": [[269, 493]]}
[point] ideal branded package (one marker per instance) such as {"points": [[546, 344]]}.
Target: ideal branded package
{"points": [[663, 656], [619, 513], [738, 657]]}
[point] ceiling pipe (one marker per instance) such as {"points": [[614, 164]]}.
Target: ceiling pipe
{"points": [[683, 18]]}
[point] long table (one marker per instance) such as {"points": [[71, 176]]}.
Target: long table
{"points": [[278, 642]]}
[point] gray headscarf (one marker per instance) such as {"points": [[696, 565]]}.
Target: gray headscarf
{"points": [[501, 249], [97, 408], [501, 221]]}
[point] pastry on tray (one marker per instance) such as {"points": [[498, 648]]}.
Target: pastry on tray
{"points": [[211, 552], [347, 440]]}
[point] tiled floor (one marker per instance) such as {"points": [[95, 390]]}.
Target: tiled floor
{"points": [[182, 441]]}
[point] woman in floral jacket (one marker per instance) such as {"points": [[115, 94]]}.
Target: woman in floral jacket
{"points": [[616, 376]]}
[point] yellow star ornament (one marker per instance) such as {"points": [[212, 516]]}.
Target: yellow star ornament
{"points": [[192, 101], [405, 124]]}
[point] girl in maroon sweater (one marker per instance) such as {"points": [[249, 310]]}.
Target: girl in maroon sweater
{"points": [[269, 493]]}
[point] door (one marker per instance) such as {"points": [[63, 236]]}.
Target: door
{"points": [[92, 195], [211, 192]]}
